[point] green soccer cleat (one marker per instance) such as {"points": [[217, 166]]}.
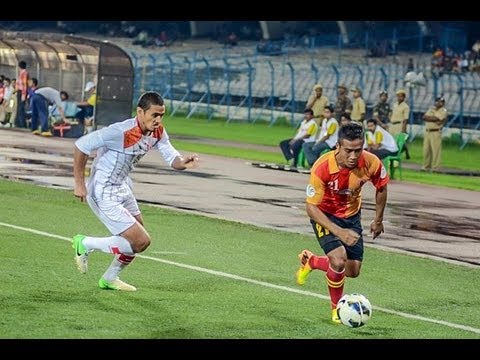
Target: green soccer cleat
{"points": [[305, 269], [116, 284], [335, 318], [81, 254]]}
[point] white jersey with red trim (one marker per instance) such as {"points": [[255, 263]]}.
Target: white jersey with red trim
{"points": [[119, 147]]}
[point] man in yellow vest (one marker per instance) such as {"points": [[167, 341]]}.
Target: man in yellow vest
{"points": [[432, 141]]}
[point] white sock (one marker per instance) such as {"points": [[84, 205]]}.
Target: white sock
{"points": [[118, 264], [111, 244]]}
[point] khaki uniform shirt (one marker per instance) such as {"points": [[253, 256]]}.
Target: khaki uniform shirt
{"points": [[440, 114], [358, 109], [318, 105], [400, 112]]}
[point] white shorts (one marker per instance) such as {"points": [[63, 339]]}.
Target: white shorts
{"points": [[116, 215]]}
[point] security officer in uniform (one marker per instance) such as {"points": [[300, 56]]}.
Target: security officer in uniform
{"points": [[432, 142], [343, 104], [399, 117], [358, 108], [317, 102], [382, 110]]}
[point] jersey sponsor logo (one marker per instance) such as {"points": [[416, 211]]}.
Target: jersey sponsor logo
{"points": [[310, 191]]}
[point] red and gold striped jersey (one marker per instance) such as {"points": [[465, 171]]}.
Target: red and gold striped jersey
{"points": [[338, 191]]}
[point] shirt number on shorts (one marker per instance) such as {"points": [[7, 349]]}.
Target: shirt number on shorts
{"points": [[321, 230]]}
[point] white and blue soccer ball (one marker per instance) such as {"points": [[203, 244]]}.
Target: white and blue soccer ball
{"points": [[354, 310]]}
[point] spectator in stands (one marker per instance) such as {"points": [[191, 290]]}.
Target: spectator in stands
{"points": [[41, 99], [432, 142], [22, 86], [327, 138], [399, 117], [410, 66], [382, 110], [143, 39], [343, 104], [358, 109], [305, 133], [232, 39], [317, 102], [380, 141]]}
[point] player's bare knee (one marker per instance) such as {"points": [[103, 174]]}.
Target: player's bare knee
{"points": [[144, 243], [354, 273], [337, 263]]}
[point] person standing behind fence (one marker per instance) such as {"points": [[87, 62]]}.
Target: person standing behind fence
{"points": [[399, 117], [317, 102], [432, 142], [343, 104], [359, 109], [22, 86], [400, 114], [382, 110]]}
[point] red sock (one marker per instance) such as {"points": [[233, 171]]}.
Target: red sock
{"points": [[125, 259], [319, 262], [335, 281]]}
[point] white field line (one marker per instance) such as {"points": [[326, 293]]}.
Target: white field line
{"points": [[257, 282]]}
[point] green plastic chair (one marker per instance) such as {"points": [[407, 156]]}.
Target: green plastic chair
{"points": [[302, 160], [389, 161]]}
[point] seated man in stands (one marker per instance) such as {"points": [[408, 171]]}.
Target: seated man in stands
{"points": [[380, 141], [305, 134], [327, 138]]}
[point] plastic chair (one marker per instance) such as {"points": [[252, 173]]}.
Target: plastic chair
{"points": [[302, 160], [389, 161]]}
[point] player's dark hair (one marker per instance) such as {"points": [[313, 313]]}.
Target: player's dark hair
{"points": [[372, 121], [34, 81], [22, 64], [148, 99], [350, 132], [330, 108], [308, 111]]}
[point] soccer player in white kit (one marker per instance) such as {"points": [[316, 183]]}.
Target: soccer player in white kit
{"points": [[109, 190]]}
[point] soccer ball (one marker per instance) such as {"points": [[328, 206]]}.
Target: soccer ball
{"points": [[354, 310]]}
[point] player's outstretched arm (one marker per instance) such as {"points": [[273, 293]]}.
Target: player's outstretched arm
{"points": [[185, 162], [376, 226], [79, 164]]}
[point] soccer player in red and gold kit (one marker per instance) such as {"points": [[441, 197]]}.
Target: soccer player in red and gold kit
{"points": [[333, 205]]}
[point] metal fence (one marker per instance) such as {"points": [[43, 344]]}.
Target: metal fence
{"points": [[251, 87]]}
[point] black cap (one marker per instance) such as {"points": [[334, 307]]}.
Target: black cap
{"points": [[440, 98]]}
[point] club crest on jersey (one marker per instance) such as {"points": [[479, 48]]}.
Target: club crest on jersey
{"points": [[310, 191]]}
